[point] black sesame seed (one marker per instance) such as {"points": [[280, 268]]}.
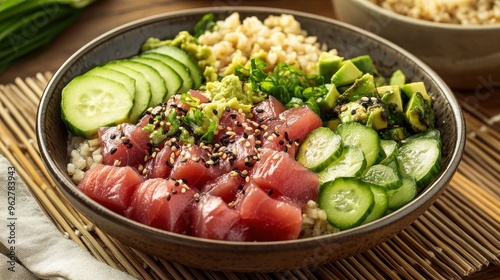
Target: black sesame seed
{"points": [[281, 142], [215, 112], [126, 141], [259, 110], [233, 116], [129, 145], [169, 164], [168, 196], [174, 191], [259, 119], [286, 136], [177, 183], [270, 192], [227, 109], [285, 149], [113, 150], [112, 136], [353, 112], [151, 120]]}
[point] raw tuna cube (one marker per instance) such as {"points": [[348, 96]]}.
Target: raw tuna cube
{"points": [[225, 186], [267, 110], [286, 177], [212, 218], [163, 203], [161, 165], [125, 144], [111, 186], [299, 121], [194, 167], [269, 219]]}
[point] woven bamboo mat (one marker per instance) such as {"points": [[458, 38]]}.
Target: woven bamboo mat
{"points": [[456, 237]]}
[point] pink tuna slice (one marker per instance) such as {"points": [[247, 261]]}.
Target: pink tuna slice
{"points": [[225, 186], [269, 219], [299, 121], [125, 144], [161, 165], [212, 218], [267, 110], [193, 165], [286, 177], [111, 186], [163, 204]]}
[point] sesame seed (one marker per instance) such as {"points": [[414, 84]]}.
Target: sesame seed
{"points": [[113, 150]]}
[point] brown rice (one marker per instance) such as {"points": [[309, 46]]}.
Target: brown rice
{"points": [[465, 12]]}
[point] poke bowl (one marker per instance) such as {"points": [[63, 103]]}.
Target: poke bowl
{"points": [[250, 245]]}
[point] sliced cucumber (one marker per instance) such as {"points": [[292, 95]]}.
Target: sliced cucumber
{"points": [[346, 201], [90, 102], [172, 80], [381, 203], [403, 194], [183, 58], [142, 91], [383, 176], [179, 68], [421, 159], [350, 164], [116, 76], [156, 82], [389, 147], [357, 134], [320, 148]]}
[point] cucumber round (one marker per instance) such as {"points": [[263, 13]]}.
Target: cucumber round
{"points": [[142, 89], [320, 148], [156, 82], [171, 79], [90, 102], [383, 176], [362, 136], [403, 194], [421, 159], [184, 58], [346, 201], [350, 164], [179, 68], [116, 76], [380, 207]]}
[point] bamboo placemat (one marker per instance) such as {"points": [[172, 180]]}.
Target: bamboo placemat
{"points": [[455, 238]]}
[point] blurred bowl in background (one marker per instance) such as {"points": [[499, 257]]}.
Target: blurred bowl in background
{"points": [[464, 56]]}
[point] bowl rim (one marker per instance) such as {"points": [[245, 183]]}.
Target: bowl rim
{"points": [[426, 196], [425, 23]]}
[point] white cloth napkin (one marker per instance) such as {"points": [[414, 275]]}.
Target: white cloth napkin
{"points": [[40, 249]]}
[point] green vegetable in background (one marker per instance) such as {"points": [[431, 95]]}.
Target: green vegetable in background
{"points": [[26, 26]]}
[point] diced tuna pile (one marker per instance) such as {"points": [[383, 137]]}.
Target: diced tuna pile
{"points": [[246, 186]]}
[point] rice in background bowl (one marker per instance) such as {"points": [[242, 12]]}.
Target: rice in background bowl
{"points": [[465, 56]]}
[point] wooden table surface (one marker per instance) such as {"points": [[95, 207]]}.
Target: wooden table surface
{"points": [[107, 14]]}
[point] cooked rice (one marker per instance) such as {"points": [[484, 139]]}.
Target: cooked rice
{"points": [[279, 38], [235, 42], [83, 155], [465, 12]]}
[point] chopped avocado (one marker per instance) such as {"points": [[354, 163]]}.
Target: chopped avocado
{"points": [[391, 94], [328, 64], [347, 74], [398, 78], [330, 99], [411, 88], [353, 112], [391, 97], [332, 124], [377, 117], [395, 133], [365, 64], [380, 81], [362, 87], [231, 87], [419, 113]]}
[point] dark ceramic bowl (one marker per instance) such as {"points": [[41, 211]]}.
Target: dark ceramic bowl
{"points": [[253, 256]]}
